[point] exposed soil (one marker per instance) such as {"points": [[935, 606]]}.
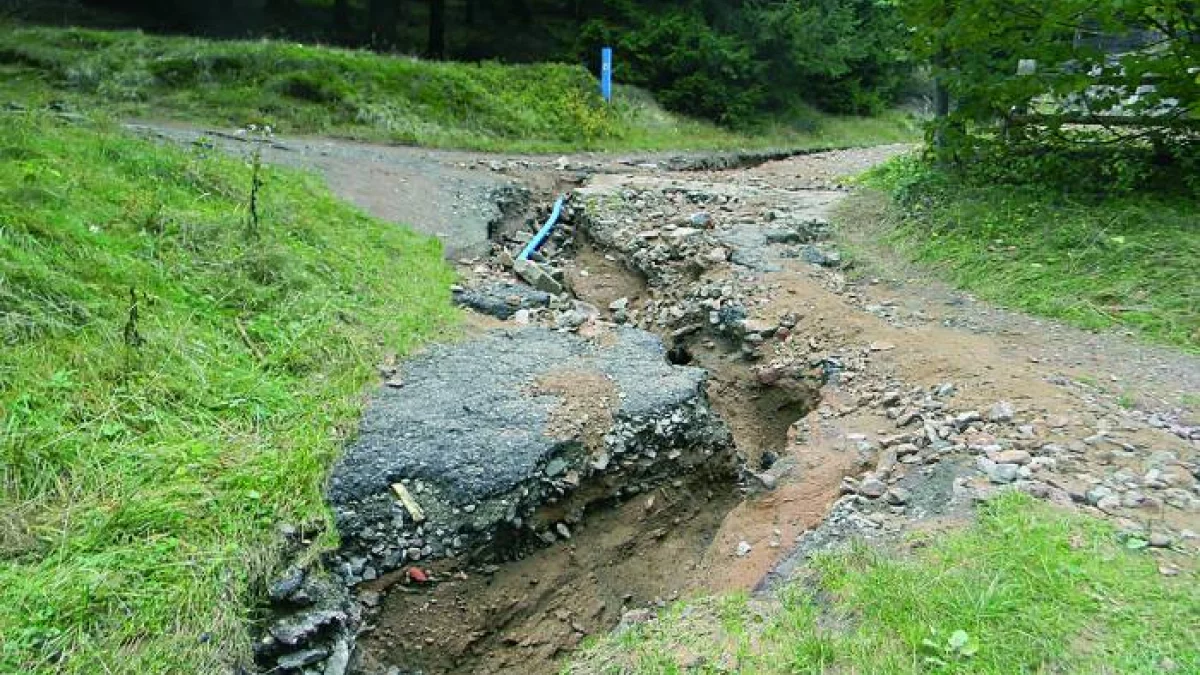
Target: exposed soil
{"points": [[523, 616], [601, 278], [867, 413], [588, 402]]}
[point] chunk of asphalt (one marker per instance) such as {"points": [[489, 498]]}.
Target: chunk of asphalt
{"points": [[502, 300], [468, 434]]}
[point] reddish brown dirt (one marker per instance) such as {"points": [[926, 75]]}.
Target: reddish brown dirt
{"points": [[601, 279], [527, 614], [587, 403]]}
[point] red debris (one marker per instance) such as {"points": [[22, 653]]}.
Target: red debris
{"points": [[417, 575]]}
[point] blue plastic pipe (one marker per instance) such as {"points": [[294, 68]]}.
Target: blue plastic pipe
{"points": [[606, 74], [544, 233]]}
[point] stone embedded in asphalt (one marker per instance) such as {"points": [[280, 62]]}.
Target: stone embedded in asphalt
{"points": [[472, 429]]}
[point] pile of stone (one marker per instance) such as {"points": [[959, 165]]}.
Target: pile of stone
{"points": [[1006, 448], [314, 624]]}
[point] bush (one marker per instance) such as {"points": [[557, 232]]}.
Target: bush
{"points": [[737, 68], [692, 67], [1114, 83], [315, 87]]}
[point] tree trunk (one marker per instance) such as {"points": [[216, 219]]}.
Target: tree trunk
{"points": [[437, 29], [941, 108], [383, 17], [941, 111], [341, 20], [469, 12]]}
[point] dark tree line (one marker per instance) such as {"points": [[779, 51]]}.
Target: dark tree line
{"points": [[733, 61]]}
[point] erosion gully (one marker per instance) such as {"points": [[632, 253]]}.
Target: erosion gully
{"points": [[524, 609]]}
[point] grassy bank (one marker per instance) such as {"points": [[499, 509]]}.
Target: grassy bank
{"points": [[1126, 260], [146, 462], [1025, 589], [359, 94]]}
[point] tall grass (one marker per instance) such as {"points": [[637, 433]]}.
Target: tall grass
{"points": [[146, 463]]}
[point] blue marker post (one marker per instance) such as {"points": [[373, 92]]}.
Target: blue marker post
{"points": [[606, 55]]}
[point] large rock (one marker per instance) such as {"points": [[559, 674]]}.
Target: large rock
{"points": [[483, 433]]}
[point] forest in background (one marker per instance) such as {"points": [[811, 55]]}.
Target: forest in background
{"points": [[735, 62]]}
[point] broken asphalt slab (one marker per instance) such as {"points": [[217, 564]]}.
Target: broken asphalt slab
{"points": [[485, 432]]}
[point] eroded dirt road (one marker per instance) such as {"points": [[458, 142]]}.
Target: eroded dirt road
{"points": [[929, 400], [863, 402]]}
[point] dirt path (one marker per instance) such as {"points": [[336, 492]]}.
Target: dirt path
{"points": [[863, 402], [460, 197]]}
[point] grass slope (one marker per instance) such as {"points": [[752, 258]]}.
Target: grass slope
{"points": [[1125, 260], [305, 89], [145, 467], [1027, 589]]}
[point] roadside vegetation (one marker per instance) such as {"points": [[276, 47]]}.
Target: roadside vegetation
{"points": [[1049, 185], [1025, 588], [176, 377], [1125, 261], [359, 94]]}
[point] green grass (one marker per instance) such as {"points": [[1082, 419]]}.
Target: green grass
{"points": [[1122, 261], [359, 94], [1025, 589], [142, 480]]}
